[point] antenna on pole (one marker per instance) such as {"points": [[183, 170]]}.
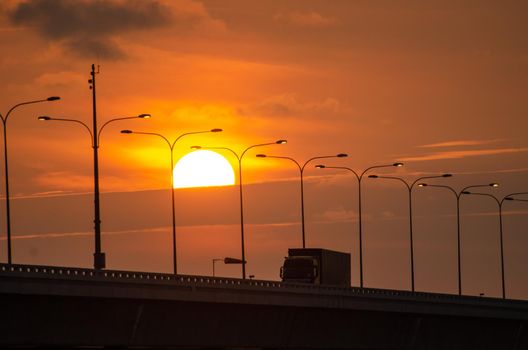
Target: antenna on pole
{"points": [[99, 257]]}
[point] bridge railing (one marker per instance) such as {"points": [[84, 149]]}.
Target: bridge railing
{"points": [[118, 276]]}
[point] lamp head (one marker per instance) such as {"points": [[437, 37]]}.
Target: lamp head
{"points": [[397, 164], [44, 117], [422, 185], [281, 142], [447, 175], [494, 184], [144, 116], [320, 166], [466, 192], [196, 147], [216, 130], [373, 176], [261, 155], [342, 155], [126, 131], [509, 199], [53, 98]]}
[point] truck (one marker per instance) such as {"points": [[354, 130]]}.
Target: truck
{"points": [[316, 266]]}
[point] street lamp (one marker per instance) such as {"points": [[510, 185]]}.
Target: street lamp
{"points": [[99, 256], [410, 187], [458, 195], [4, 122], [227, 261], [171, 147], [359, 178], [239, 159], [499, 204], [301, 170]]}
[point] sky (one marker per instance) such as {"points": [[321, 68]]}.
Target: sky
{"points": [[439, 86]]}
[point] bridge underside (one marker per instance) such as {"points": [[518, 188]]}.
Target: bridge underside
{"points": [[70, 307], [80, 321]]}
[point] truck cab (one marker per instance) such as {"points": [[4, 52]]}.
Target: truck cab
{"points": [[301, 269]]}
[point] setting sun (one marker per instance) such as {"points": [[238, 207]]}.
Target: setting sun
{"points": [[203, 168]]}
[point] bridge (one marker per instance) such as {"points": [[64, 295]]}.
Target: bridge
{"points": [[76, 307]]}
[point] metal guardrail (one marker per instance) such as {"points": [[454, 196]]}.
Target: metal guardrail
{"points": [[117, 276]]}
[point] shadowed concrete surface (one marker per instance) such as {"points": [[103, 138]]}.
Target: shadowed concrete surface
{"points": [[72, 307]]}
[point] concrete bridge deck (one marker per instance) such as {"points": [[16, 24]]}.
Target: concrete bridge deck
{"points": [[75, 307]]}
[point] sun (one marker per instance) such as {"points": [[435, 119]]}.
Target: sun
{"points": [[203, 168]]}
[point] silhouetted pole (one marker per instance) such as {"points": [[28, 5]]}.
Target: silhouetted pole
{"points": [[410, 187], [8, 212], [359, 178], [457, 196], [499, 204], [240, 190], [301, 170], [99, 256], [173, 206], [214, 261]]}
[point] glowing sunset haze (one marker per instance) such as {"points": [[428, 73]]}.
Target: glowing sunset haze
{"points": [[439, 86]]}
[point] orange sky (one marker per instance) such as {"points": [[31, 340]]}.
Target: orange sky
{"points": [[440, 86]]}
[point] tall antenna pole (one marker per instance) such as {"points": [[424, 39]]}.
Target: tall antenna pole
{"points": [[99, 257]]}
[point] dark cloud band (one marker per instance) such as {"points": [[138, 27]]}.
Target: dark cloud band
{"points": [[84, 26]]}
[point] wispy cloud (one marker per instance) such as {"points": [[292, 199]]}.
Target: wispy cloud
{"points": [[289, 104], [500, 171], [463, 154], [306, 19], [459, 143], [85, 233]]}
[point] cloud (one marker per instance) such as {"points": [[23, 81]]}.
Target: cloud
{"points": [[59, 79], [65, 181], [89, 27], [288, 105], [459, 143], [306, 19], [462, 154], [85, 233], [339, 214]]}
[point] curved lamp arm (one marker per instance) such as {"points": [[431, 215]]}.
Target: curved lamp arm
{"points": [[148, 133], [278, 142], [193, 133], [392, 178], [321, 166], [441, 186], [52, 98], [141, 116], [221, 148], [397, 164], [499, 203], [46, 118], [280, 157], [508, 197], [339, 155]]}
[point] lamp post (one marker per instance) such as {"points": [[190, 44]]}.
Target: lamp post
{"points": [[301, 170], [227, 261], [4, 122], [359, 178], [499, 204], [214, 261], [458, 195], [239, 159], [99, 256], [410, 187], [171, 148]]}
